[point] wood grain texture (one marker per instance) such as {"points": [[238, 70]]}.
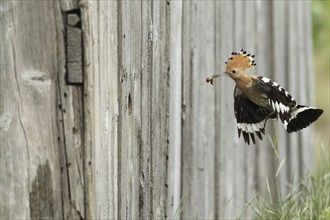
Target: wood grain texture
{"points": [[70, 120], [68, 5], [142, 135], [174, 145], [30, 168], [213, 179], [198, 120]]}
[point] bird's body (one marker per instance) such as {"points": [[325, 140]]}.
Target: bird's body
{"points": [[257, 98], [248, 85]]}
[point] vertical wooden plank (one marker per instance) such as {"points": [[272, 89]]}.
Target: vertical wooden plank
{"points": [[102, 110], [114, 113], [11, 124], [110, 113], [265, 57], [198, 110], [307, 150], [145, 197], [293, 88], [160, 107], [90, 30], [300, 81], [70, 110], [280, 76], [30, 183], [130, 101], [240, 149], [226, 130], [106, 91], [305, 142], [174, 146], [70, 122], [70, 114], [250, 152], [186, 175], [218, 65]]}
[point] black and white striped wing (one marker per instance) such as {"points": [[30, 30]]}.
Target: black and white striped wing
{"points": [[293, 116], [251, 118], [279, 100]]}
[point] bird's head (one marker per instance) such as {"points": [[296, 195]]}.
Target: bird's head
{"points": [[235, 66]]}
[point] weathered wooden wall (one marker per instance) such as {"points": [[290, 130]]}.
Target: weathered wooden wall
{"points": [[141, 135]]}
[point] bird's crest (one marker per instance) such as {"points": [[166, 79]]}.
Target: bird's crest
{"points": [[240, 60]]}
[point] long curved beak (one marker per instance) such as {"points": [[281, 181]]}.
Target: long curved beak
{"points": [[209, 79]]}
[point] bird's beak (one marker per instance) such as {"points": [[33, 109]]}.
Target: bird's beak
{"points": [[209, 79]]}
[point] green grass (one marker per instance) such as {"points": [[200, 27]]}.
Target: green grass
{"points": [[308, 200]]}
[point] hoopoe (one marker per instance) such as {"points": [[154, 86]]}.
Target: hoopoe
{"points": [[257, 98]]}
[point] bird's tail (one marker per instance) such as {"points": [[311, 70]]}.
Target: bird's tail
{"points": [[301, 117]]}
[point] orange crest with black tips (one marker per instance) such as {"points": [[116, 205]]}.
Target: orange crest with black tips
{"points": [[240, 60]]}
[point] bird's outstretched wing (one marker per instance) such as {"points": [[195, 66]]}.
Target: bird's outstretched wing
{"points": [[293, 116], [251, 118], [279, 100]]}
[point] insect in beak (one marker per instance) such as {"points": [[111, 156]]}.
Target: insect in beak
{"points": [[209, 79]]}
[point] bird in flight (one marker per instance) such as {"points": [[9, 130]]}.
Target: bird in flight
{"points": [[257, 98]]}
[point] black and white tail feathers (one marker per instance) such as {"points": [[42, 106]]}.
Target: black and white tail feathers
{"points": [[301, 117]]}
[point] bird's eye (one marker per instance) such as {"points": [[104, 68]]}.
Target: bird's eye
{"points": [[233, 71]]}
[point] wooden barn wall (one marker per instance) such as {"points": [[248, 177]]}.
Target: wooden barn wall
{"points": [[142, 135]]}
